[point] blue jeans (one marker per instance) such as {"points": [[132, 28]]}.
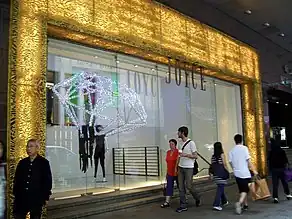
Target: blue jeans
{"points": [[220, 197], [170, 184]]}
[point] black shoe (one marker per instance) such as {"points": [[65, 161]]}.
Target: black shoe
{"points": [[245, 207], [276, 200], [165, 205], [198, 203], [181, 209]]}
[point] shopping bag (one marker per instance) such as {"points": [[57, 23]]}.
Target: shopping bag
{"points": [[261, 190], [288, 174]]}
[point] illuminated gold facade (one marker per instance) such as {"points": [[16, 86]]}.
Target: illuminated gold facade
{"points": [[136, 27]]}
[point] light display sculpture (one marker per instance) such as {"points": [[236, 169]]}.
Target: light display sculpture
{"points": [[91, 99], [114, 105]]}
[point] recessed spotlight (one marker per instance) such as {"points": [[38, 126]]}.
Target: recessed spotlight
{"points": [[136, 66], [248, 12], [118, 61], [277, 102], [286, 104], [96, 57], [152, 69], [267, 24], [215, 84], [282, 34]]}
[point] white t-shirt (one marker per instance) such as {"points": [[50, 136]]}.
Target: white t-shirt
{"points": [[186, 162], [238, 157]]}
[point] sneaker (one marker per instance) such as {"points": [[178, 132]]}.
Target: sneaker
{"points": [[225, 204], [289, 197], [104, 179], [238, 208], [276, 200], [217, 208], [198, 202], [165, 205], [245, 207], [181, 209]]}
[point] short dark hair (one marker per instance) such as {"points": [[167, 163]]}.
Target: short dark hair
{"points": [[238, 139], [174, 141], [184, 130]]}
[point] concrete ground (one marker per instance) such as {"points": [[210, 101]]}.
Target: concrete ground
{"points": [[257, 210]]}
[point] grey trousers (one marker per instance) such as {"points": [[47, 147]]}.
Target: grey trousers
{"points": [[185, 183]]}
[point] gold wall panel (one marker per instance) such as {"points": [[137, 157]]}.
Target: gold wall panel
{"points": [[137, 27]]}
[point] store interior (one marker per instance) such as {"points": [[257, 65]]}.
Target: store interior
{"points": [[126, 100]]}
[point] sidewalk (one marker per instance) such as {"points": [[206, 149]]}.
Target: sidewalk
{"points": [[257, 210]]}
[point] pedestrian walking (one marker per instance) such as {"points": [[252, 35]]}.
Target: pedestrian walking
{"points": [[171, 176], [240, 161], [278, 161], [187, 156], [220, 176], [32, 183]]}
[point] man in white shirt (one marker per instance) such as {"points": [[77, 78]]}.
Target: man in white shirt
{"points": [[188, 154], [240, 161]]}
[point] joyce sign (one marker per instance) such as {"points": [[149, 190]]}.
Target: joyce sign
{"points": [[190, 77]]}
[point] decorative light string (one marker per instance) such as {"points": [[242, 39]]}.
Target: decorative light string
{"points": [[130, 112]]}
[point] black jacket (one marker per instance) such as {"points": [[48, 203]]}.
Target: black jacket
{"points": [[277, 159], [33, 181]]}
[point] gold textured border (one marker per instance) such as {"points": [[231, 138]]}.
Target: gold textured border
{"points": [[136, 27]]}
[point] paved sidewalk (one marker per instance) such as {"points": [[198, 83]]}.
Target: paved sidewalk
{"points": [[258, 210]]}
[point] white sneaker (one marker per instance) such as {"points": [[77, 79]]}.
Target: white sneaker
{"points": [[225, 204], [238, 208], [104, 179], [217, 208], [289, 197]]}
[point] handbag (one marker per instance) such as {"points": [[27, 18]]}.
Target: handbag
{"points": [[288, 174], [219, 170], [261, 190], [164, 189]]}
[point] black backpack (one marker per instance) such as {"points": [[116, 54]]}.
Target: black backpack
{"points": [[196, 166]]}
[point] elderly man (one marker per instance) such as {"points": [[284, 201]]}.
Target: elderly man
{"points": [[32, 183]]}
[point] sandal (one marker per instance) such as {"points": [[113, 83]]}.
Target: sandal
{"points": [[165, 205]]}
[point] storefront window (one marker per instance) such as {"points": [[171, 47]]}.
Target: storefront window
{"points": [[126, 105]]}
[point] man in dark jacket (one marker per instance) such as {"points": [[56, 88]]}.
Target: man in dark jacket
{"points": [[277, 163], [32, 183]]}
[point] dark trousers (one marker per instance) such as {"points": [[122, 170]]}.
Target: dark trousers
{"points": [[185, 182], [220, 197], [170, 184], [278, 174], [99, 156]]}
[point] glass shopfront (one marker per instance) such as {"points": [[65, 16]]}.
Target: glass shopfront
{"points": [[128, 104]]}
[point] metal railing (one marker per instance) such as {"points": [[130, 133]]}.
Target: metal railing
{"points": [[139, 161]]}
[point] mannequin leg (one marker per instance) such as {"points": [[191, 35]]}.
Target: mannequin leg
{"points": [[102, 158], [95, 165]]}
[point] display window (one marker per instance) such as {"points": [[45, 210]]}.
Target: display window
{"points": [[110, 117]]}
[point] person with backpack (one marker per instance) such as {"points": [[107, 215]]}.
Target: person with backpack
{"points": [[187, 156], [220, 173]]}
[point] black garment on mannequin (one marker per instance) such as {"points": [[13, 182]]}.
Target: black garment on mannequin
{"points": [[99, 154], [91, 143], [83, 148]]}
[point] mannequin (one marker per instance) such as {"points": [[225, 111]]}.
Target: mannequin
{"points": [[100, 150]]}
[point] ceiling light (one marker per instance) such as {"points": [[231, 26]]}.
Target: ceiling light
{"points": [[277, 102], [136, 66], [267, 24], [248, 12], [282, 34], [152, 69], [286, 104], [96, 57], [118, 61]]}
